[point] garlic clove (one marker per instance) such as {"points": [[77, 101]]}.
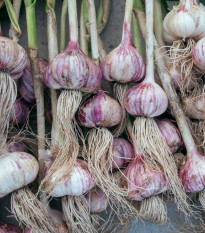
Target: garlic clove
{"points": [[124, 64], [146, 99], [100, 110]]}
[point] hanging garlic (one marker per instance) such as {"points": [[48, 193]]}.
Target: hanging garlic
{"points": [[97, 200], [19, 113], [199, 54], [171, 134], [9, 228], [13, 57], [124, 64], [184, 21], [78, 182], [100, 110], [17, 169], [25, 85], [194, 106], [122, 153]]}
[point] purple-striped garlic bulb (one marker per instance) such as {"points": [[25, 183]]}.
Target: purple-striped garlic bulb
{"points": [[100, 110], [9, 228], [72, 69], [78, 182], [122, 153], [147, 98], [15, 146], [194, 107], [142, 181], [171, 134], [192, 173], [184, 21], [19, 113], [13, 57], [25, 86], [17, 170], [124, 64], [97, 200], [198, 54]]}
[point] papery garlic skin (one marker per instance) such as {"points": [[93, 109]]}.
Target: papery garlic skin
{"points": [[186, 20], [124, 64], [194, 108], [78, 182], [122, 152], [72, 69], [199, 55], [17, 170], [145, 99], [13, 57], [19, 113], [170, 133], [143, 182], [100, 110], [25, 85], [97, 200], [9, 228], [192, 174]]}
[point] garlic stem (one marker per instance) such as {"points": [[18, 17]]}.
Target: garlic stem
{"points": [[149, 41], [13, 34], [83, 40], [126, 33], [158, 23], [171, 92], [73, 20], [52, 52], [63, 24], [93, 30]]}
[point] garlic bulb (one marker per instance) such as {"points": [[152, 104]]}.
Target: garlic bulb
{"points": [[13, 57], [100, 110], [17, 169], [194, 107], [124, 64], [80, 72], [122, 152], [15, 147], [192, 173], [9, 228], [170, 133], [19, 113], [198, 54], [184, 21], [97, 200], [78, 182], [146, 99], [25, 86], [143, 182]]}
